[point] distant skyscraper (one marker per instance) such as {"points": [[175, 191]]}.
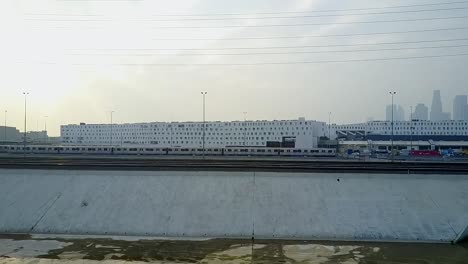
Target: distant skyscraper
{"points": [[388, 112], [398, 113], [446, 116], [421, 112], [466, 113], [436, 108], [459, 107]]}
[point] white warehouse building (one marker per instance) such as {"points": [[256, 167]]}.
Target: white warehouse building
{"points": [[448, 130], [299, 133]]}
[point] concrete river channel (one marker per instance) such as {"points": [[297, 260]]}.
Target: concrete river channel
{"points": [[66, 211]]}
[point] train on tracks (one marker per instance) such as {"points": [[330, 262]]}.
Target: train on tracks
{"points": [[147, 150]]}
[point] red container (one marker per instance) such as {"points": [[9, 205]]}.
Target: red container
{"points": [[425, 153]]}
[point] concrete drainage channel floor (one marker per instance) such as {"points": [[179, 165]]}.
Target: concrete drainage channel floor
{"points": [[44, 249]]}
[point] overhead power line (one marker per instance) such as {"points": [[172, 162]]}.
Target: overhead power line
{"points": [[288, 47], [101, 0], [252, 18], [317, 11], [269, 53], [321, 36], [262, 63], [287, 25], [318, 24], [281, 12]]}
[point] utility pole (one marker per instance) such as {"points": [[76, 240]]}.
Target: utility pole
{"points": [[393, 155], [204, 125], [25, 116]]}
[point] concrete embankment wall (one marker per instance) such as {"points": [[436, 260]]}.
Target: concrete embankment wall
{"points": [[235, 204]]}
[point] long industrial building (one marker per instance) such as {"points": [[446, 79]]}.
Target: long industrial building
{"points": [[449, 130], [298, 133]]}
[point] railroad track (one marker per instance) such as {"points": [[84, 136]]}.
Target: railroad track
{"points": [[87, 163]]}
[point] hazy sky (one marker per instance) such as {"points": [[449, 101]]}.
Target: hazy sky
{"points": [[81, 59]]}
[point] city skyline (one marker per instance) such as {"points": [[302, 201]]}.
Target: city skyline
{"points": [[433, 111], [400, 114]]}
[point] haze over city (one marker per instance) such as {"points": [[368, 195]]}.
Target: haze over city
{"points": [[78, 69], [248, 131]]}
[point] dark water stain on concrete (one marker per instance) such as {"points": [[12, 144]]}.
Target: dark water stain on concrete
{"points": [[391, 253], [261, 252], [270, 253], [143, 250], [15, 236], [367, 252]]}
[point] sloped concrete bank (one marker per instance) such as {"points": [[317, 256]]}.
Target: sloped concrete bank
{"points": [[385, 207]]}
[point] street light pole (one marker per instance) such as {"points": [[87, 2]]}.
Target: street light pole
{"points": [[81, 135], [329, 126], [172, 131], [25, 116], [45, 128], [245, 120], [411, 129], [392, 94], [204, 125], [111, 112], [5, 128]]}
